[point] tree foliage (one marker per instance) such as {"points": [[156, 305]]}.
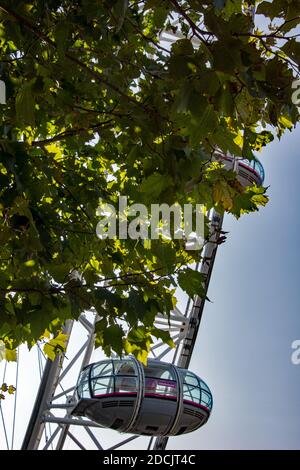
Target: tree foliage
{"points": [[98, 106]]}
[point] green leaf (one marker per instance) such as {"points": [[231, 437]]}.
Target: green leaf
{"points": [[204, 125], [136, 307], [138, 343], [25, 104], [119, 11], [11, 389], [61, 33], [285, 122], [160, 15], [164, 336], [2, 350], [151, 4], [112, 337], [248, 201], [232, 7], [191, 282], [223, 194], [292, 49], [270, 9], [227, 59], [224, 101], [49, 351], [11, 355], [182, 47], [155, 184], [225, 141], [178, 67], [56, 346], [182, 103]]}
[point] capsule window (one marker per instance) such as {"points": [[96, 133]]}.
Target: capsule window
{"points": [[205, 399], [164, 372], [84, 374], [126, 384], [204, 386], [191, 379], [125, 367], [102, 386], [191, 393], [83, 390], [104, 368], [160, 380], [160, 387]]}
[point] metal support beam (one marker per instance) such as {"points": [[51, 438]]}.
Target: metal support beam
{"points": [[208, 260], [46, 390], [120, 444], [89, 345], [71, 421]]}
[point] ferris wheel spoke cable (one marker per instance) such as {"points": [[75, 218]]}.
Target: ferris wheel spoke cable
{"points": [[120, 444], [4, 427], [4, 372], [2, 416], [59, 384], [52, 437], [41, 370], [15, 401]]}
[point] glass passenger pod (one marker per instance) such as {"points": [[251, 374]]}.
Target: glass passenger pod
{"points": [[249, 172], [160, 399], [196, 392]]}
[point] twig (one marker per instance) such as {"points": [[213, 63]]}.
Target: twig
{"points": [[196, 30], [70, 133]]}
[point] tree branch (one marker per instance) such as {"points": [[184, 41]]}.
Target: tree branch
{"points": [[70, 133], [27, 24], [196, 30], [286, 22]]}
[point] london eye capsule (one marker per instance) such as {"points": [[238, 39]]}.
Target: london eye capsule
{"points": [[159, 399], [248, 171]]}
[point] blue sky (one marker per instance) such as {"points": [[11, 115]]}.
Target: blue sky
{"points": [[243, 349]]}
